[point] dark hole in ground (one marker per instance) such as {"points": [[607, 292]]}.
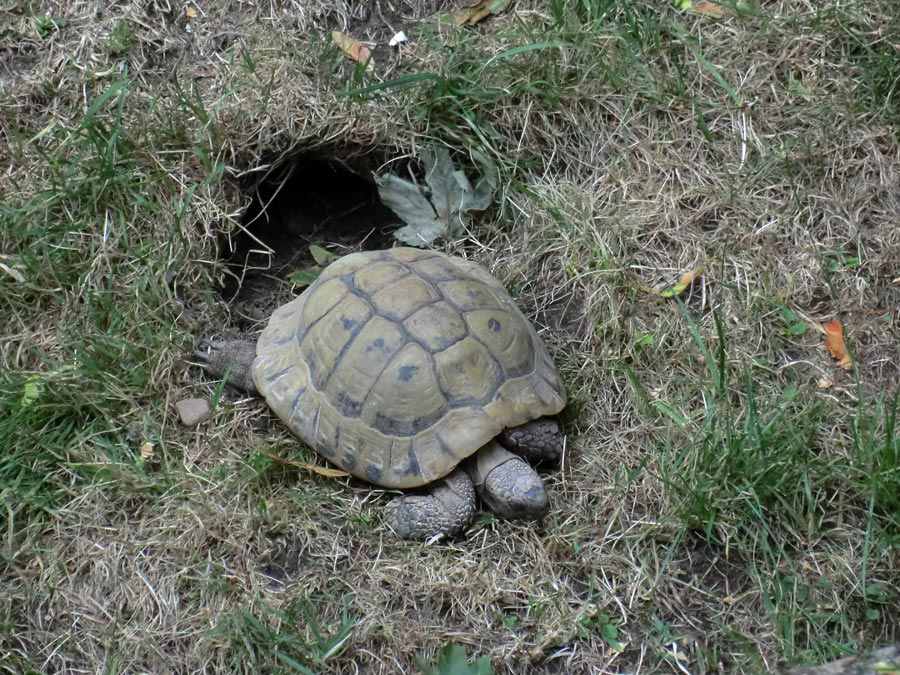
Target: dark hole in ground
{"points": [[307, 199]]}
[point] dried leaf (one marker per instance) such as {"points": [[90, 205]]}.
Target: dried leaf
{"points": [[686, 280], [469, 16], [451, 192], [406, 200], [445, 189], [834, 343], [711, 9], [421, 234], [452, 199], [355, 49], [315, 468], [323, 470], [146, 451], [825, 383], [191, 12]]}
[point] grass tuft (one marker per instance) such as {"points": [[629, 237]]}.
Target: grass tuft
{"points": [[273, 640]]}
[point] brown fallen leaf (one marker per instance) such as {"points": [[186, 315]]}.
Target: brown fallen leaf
{"points": [[469, 16], [686, 280], [323, 470], [147, 451], [355, 49], [315, 468], [834, 343], [711, 9]]}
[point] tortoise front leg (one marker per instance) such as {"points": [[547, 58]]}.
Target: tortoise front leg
{"points": [[539, 441], [446, 509], [231, 357], [507, 484]]}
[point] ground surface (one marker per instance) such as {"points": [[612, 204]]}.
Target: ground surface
{"points": [[729, 499]]}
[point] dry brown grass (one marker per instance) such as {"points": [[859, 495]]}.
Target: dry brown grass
{"points": [[211, 558]]}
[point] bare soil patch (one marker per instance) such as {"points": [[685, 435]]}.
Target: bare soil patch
{"points": [[305, 199]]}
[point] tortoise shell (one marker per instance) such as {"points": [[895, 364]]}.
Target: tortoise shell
{"points": [[396, 365]]}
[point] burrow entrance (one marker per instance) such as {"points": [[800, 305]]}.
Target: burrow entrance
{"points": [[309, 198]]}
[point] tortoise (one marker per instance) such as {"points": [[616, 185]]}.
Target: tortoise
{"points": [[411, 369]]}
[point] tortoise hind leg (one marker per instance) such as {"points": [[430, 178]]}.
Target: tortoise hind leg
{"points": [[446, 509], [233, 358], [540, 441]]}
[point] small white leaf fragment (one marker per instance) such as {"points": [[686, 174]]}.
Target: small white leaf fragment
{"points": [[398, 38]]}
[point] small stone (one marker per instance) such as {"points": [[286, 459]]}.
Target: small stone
{"points": [[193, 411]]}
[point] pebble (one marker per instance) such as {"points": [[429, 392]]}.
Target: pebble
{"points": [[193, 411]]}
